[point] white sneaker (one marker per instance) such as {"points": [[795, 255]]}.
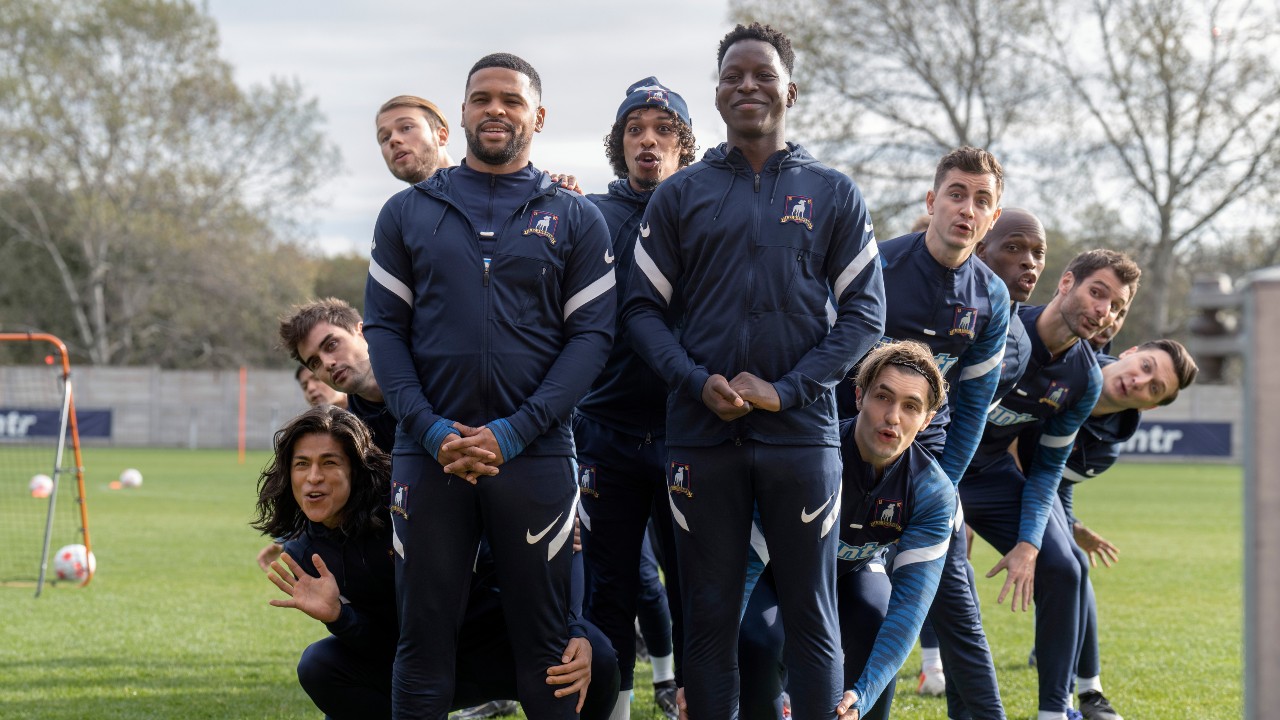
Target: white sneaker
{"points": [[932, 682]]}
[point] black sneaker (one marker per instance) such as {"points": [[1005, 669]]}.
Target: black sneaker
{"points": [[1094, 706], [664, 695]]}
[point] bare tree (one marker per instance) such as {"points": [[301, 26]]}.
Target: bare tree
{"points": [[142, 173], [1180, 106], [889, 86]]}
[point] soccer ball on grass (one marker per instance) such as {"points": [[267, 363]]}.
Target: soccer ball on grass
{"points": [[73, 562]]}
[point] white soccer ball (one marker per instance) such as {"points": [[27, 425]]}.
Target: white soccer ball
{"points": [[71, 563], [41, 485], [131, 478]]}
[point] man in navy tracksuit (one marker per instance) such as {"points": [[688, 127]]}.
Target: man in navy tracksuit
{"points": [[897, 510], [1014, 251], [1012, 507], [940, 295], [1141, 378], [620, 425], [769, 258], [489, 309]]}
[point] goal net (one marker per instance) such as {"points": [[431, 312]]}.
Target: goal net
{"points": [[42, 503]]}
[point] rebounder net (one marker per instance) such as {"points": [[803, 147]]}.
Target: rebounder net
{"points": [[42, 506]]}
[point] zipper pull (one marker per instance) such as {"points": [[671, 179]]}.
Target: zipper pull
{"points": [[757, 182], [486, 271]]}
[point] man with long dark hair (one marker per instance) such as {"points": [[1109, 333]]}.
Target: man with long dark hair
{"points": [[326, 489]]}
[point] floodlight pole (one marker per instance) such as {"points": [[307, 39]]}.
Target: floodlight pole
{"points": [[1261, 346]]}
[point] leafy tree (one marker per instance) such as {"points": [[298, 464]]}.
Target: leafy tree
{"points": [[160, 199]]}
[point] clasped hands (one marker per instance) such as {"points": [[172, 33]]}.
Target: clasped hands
{"points": [[731, 399], [471, 454]]}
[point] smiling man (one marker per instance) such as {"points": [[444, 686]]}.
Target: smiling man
{"points": [[619, 428], [1012, 507], [765, 261], [489, 309]]}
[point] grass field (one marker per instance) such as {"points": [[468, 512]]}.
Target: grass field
{"points": [[176, 624]]}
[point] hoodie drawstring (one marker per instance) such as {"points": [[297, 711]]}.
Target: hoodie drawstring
{"points": [[720, 204]]}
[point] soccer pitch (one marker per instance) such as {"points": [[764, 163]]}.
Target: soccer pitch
{"points": [[176, 623]]}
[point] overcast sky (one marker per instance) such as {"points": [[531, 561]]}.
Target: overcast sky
{"points": [[354, 56]]}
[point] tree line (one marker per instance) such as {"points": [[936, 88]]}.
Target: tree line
{"points": [[152, 210]]}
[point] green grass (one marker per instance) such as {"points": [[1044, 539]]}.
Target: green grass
{"points": [[176, 624]]}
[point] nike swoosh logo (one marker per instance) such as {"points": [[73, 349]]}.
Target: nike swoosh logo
{"points": [[868, 227], [608, 257], [534, 539], [807, 518], [644, 230]]}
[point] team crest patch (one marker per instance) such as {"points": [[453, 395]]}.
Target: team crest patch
{"points": [[1055, 395], [681, 479], [888, 514], [400, 499], [543, 224], [587, 480], [965, 320], [799, 210], [657, 97]]}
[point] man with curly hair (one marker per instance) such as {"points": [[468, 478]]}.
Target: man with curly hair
{"points": [[757, 289], [620, 425]]}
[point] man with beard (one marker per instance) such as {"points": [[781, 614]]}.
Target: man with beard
{"points": [[764, 260], [1013, 508], [489, 310], [619, 427], [413, 135]]}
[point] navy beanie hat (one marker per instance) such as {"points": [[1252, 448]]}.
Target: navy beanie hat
{"points": [[648, 92]]}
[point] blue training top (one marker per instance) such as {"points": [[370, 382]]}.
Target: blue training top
{"points": [[1056, 394], [753, 261], [506, 330], [1096, 449], [911, 507], [962, 315], [628, 396]]}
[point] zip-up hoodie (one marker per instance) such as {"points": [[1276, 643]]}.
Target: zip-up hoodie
{"points": [[509, 339], [773, 273], [962, 315], [628, 396]]}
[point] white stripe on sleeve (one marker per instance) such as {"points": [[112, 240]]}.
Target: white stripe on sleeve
{"points": [[1057, 441], [855, 268], [982, 368], [390, 282], [651, 271], [602, 285], [933, 552]]}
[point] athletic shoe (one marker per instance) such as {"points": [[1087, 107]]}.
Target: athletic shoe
{"points": [[1094, 706], [492, 709], [1031, 658], [786, 705], [932, 682], [1074, 714], [664, 696]]}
